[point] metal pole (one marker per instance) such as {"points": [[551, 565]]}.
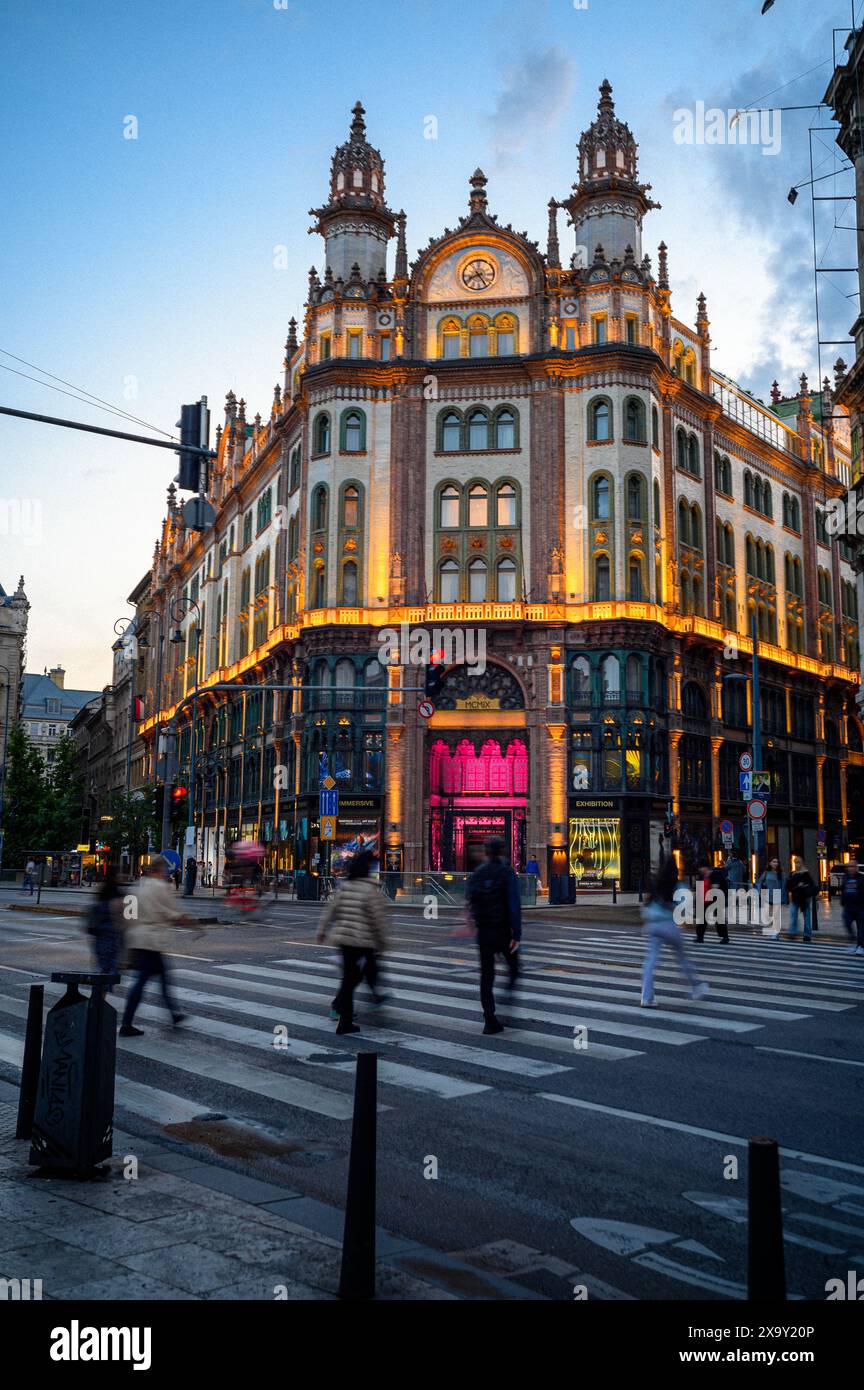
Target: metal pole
{"points": [[31, 1062], [757, 736], [357, 1276], [766, 1273]]}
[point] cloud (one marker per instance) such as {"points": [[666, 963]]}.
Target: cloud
{"points": [[534, 98]]}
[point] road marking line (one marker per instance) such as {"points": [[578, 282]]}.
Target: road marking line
{"points": [[812, 1056]]}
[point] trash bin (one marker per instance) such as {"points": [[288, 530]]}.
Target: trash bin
{"points": [[74, 1114]]}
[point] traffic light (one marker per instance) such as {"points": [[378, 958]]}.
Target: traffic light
{"points": [[194, 427], [435, 674], [179, 795], [158, 803]]}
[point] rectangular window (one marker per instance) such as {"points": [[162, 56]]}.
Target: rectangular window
{"points": [[631, 329], [451, 344], [479, 344], [384, 352], [506, 344], [325, 347], [570, 337], [355, 343], [247, 530], [599, 328]]}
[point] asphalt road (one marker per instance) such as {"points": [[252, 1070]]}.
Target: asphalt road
{"points": [[610, 1165]]}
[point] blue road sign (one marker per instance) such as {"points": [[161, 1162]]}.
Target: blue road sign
{"points": [[328, 802], [745, 782]]}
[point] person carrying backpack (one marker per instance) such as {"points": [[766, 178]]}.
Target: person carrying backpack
{"points": [[356, 920], [492, 895]]}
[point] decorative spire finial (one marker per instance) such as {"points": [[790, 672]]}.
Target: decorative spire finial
{"points": [[291, 341], [776, 397], [477, 198], [553, 253], [358, 125], [662, 267], [401, 270]]}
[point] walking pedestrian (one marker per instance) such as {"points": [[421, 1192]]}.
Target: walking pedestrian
{"points": [[711, 880], [800, 889], [106, 922], [852, 899], [149, 938], [356, 921], [191, 877], [770, 883], [660, 929], [492, 894], [29, 873]]}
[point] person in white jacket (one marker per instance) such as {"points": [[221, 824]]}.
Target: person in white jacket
{"points": [[148, 937], [356, 920], [661, 929]]}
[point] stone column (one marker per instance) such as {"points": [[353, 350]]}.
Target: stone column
{"points": [[716, 745]]}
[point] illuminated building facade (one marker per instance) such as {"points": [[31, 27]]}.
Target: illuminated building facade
{"points": [[531, 449]]}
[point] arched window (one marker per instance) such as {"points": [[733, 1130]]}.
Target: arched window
{"points": [[636, 588], [319, 587], [767, 501], [321, 433], [634, 420], [683, 523], [451, 338], [375, 681], [349, 583], [448, 583], [478, 336], [698, 600], [635, 497], [599, 421], [695, 527], [478, 430], [602, 588], [478, 506], [319, 509], [505, 335], [655, 428], [610, 677], [451, 432], [694, 700], [748, 488], [769, 564], [477, 581], [681, 449], [693, 456], [505, 429], [600, 499], [353, 439], [657, 517], [344, 678], [506, 581], [633, 681], [505, 505], [448, 507], [581, 685], [350, 507]]}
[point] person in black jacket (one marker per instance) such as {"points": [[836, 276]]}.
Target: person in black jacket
{"points": [[852, 898], [800, 890], [492, 894]]}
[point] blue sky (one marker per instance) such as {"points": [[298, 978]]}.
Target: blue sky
{"points": [[143, 270]]}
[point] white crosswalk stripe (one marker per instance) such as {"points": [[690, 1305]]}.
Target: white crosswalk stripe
{"points": [[261, 1033]]}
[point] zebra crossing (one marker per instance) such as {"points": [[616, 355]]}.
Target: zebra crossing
{"points": [[262, 1030]]}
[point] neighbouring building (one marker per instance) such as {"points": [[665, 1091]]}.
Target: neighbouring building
{"points": [[48, 709], [528, 452]]}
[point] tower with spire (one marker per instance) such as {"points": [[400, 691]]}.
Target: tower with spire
{"points": [[608, 202], [355, 222]]}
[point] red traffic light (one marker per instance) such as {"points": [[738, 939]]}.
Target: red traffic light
{"points": [[178, 793]]}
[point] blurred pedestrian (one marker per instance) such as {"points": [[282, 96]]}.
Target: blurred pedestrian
{"points": [[661, 929], [106, 922], [29, 874], [356, 921], [771, 882], [149, 938], [711, 911], [852, 899], [492, 895], [800, 890]]}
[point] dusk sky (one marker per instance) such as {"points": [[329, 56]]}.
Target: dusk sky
{"points": [[145, 270]]}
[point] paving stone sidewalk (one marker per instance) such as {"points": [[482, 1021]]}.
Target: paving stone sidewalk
{"points": [[185, 1228]]}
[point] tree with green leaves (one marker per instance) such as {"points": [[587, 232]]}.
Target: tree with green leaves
{"points": [[132, 824], [62, 816], [24, 800]]}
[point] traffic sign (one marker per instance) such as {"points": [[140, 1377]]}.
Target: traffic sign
{"points": [[328, 827], [425, 709], [726, 827], [328, 802], [820, 836], [757, 810], [745, 782], [728, 840], [745, 762], [328, 783]]}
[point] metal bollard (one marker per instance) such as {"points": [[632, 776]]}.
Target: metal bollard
{"points": [[614, 890], [357, 1276], [766, 1270], [31, 1063]]}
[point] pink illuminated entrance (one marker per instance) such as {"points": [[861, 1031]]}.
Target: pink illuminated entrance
{"points": [[476, 791]]}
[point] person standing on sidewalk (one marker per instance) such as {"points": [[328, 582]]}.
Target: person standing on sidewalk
{"points": [[661, 929], [27, 880], [492, 894], [852, 899], [800, 890], [356, 920], [711, 880], [149, 938]]}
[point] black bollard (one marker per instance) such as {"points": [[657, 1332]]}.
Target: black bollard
{"points": [[357, 1276], [614, 890], [766, 1270], [31, 1062]]}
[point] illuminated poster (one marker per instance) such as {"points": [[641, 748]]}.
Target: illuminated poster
{"points": [[595, 849]]}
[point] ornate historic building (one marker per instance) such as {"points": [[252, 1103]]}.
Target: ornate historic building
{"points": [[530, 449]]}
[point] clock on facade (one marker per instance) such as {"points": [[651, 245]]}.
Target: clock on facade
{"points": [[478, 273]]}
